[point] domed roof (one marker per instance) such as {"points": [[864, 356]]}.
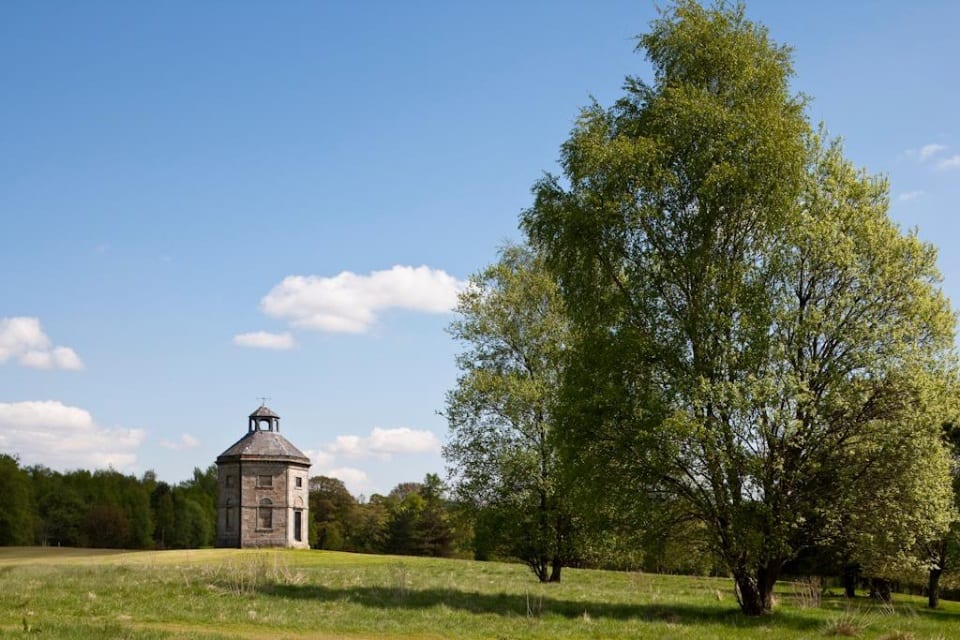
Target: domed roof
{"points": [[263, 445], [263, 411]]}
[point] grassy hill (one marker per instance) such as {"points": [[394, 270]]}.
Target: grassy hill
{"points": [[218, 593]]}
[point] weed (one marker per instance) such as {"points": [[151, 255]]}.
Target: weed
{"points": [[849, 624], [898, 635], [247, 574], [283, 574], [400, 584], [808, 592], [535, 606]]}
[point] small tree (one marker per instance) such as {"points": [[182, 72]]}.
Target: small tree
{"points": [[501, 455]]}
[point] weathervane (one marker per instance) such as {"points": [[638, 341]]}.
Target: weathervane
{"points": [[263, 400]]}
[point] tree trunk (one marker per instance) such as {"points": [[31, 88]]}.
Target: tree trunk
{"points": [[555, 571], [755, 591], [539, 567], [880, 589], [851, 575], [933, 588]]}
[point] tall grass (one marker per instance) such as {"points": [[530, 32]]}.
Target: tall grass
{"points": [[314, 594]]}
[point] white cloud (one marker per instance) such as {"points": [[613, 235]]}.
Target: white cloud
{"points": [[64, 437], [349, 303], [927, 151], [265, 340], [186, 441], [909, 195], [403, 440], [953, 162], [350, 446], [23, 338], [385, 443], [379, 446], [56, 358], [355, 480], [319, 458]]}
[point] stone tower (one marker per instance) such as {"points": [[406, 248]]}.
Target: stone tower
{"points": [[263, 485]]}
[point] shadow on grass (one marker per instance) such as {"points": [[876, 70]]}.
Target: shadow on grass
{"points": [[536, 605]]}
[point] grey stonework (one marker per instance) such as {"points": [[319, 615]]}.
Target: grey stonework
{"points": [[260, 503]]}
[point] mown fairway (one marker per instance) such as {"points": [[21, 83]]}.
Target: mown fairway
{"points": [[69, 593]]}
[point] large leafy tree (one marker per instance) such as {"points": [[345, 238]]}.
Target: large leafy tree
{"points": [[501, 453], [757, 343]]}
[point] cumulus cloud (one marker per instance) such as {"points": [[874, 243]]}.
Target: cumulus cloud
{"points": [[349, 303], [63, 437], [56, 358], [927, 151], [909, 195], [23, 339], [265, 340], [385, 443], [319, 458], [186, 441], [355, 480], [953, 162]]}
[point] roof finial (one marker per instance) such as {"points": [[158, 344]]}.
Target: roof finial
{"points": [[263, 400]]}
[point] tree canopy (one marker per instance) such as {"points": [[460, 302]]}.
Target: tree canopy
{"points": [[501, 452], [756, 340]]}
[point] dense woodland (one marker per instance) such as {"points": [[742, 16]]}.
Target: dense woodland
{"points": [[107, 509]]}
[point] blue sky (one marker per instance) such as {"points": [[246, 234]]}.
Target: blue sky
{"points": [[203, 203]]}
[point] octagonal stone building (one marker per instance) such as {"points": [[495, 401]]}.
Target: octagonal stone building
{"points": [[263, 483]]}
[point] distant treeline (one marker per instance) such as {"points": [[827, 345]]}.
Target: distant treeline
{"points": [[413, 519], [108, 509], [105, 508]]}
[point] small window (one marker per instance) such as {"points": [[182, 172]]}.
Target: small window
{"points": [[229, 481], [229, 517], [265, 514], [299, 482], [266, 518], [265, 482]]}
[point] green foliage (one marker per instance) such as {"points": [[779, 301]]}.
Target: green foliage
{"points": [[940, 554], [16, 503], [414, 519], [185, 515], [501, 453], [418, 520], [109, 509], [333, 511], [756, 344], [107, 526]]}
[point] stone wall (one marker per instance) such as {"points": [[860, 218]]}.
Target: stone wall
{"points": [[258, 502]]}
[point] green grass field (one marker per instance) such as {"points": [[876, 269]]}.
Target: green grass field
{"points": [[75, 593]]}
